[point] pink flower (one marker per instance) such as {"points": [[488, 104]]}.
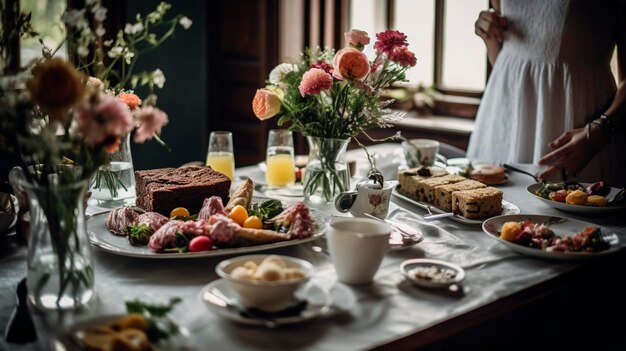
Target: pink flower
{"points": [[325, 66], [350, 63], [104, 122], [388, 40], [266, 104], [357, 39], [314, 81], [403, 56], [151, 120]]}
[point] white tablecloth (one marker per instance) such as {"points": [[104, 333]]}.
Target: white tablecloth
{"points": [[362, 317]]}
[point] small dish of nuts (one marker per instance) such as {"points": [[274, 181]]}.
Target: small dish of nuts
{"points": [[433, 274]]}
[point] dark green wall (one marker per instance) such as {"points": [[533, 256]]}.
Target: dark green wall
{"points": [[183, 60]]}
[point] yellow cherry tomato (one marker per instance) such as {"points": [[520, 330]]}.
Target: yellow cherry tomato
{"points": [[179, 212], [253, 222], [239, 214]]}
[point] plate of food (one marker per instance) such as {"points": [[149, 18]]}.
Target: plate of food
{"points": [[579, 198], [483, 172], [244, 225], [552, 237], [139, 329], [436, 190]]}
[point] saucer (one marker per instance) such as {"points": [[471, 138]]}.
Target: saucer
{"points": [[318, 301]]}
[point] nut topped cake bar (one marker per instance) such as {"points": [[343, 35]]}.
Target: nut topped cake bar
{"points": [[477, 203], [407, 179], [426, 187], [443, 193], [161, 190]]}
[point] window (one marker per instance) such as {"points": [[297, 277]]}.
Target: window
{"points": [[450, 57], [45, 21]]}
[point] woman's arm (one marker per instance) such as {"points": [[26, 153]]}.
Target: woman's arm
{"points": [[490, 26], [574, 149]]}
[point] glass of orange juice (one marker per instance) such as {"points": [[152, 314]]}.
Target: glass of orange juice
{"points": [[280, 170], [220, 155]]}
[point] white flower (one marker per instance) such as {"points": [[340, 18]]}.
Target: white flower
{"points": [[158, 78], [133, 28], [185, 22], [82, 51], [90, 2], [128, 56], [277, 75], [75, 18], [99, 12], [115, 52], [100, 31], [108, 42]]}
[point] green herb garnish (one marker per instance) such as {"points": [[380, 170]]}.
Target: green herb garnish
{"points": [[159, 326], [266, 210], [139, 234]]}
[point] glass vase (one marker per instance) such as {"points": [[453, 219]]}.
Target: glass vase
{"points": [[114, 183], [326, 174], [60, 266]]}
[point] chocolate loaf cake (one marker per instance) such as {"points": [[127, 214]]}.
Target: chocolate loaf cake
{"points": [[161, 190]]}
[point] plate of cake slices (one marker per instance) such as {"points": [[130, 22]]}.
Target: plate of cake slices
{"points": [[437, 191]]}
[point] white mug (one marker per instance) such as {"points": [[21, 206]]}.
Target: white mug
{"points": [[357, 247], [367, 198], [420, 152]]}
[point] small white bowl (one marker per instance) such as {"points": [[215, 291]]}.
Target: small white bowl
{"points": [[407, 268], [265, 295]]}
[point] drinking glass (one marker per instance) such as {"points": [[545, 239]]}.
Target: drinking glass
{"points": [[220, 155], [280, 170]]}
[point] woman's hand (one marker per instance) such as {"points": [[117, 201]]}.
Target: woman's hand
{"points": [[490, 26], [571, 152]]}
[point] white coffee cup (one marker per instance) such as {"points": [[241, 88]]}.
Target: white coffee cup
{"points": [[420, 152], [357, 247]]}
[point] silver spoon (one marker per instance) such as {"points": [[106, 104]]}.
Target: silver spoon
{"points": [[519, 170]]}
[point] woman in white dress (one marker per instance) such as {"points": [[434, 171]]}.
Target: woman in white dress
{"points": [[551, 98]]}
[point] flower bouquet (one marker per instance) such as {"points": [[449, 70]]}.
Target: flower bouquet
{"points": [[331, 97], [63, 124]]}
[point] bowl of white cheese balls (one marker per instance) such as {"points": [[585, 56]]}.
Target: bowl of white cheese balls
{"points": [[266, 282]]}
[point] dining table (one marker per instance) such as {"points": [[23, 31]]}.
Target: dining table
{"points": [[503, 290]]}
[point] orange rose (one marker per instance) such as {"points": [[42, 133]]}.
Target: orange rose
{"points": [[350, 63], [131, 100], [266, 104], [56, 86]]}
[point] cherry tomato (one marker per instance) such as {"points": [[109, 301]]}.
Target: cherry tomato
{"points": [[200, 243], [179, 212], [560, 195], [253, 222], [238, 214]]}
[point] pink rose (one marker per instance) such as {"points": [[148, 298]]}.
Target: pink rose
{"points": [[314, 81], [350, 63], [357, 39], [104, 122], [266, 104]]}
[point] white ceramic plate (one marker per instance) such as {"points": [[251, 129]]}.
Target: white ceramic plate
{"points": [[561, 226], [71, 339], [407, 267], [101, 237], [318, 300], [507, 208], [578, 209]]}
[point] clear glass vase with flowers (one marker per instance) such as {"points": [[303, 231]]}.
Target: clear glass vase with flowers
{"points": [[328, 95], [63, 124]]}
